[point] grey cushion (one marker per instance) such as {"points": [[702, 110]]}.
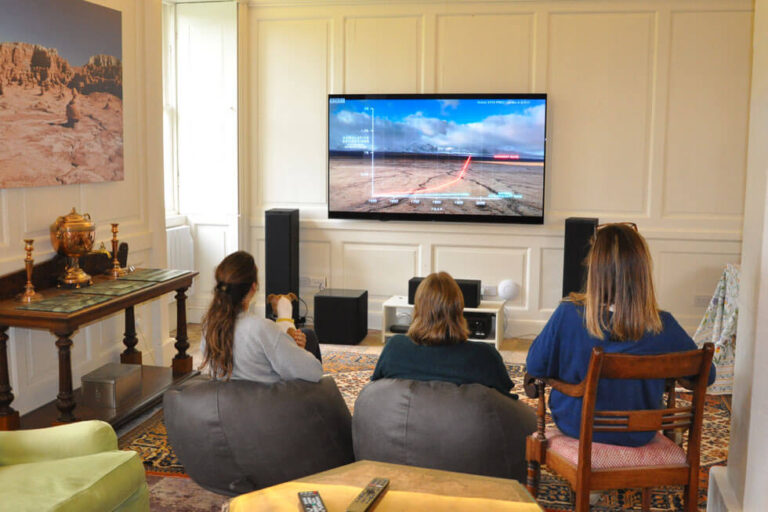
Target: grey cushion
{"points": [[239, 436], [469, 428]]}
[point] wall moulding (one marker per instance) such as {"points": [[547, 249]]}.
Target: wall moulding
{"points": [[510, 45], [692, 232], [564, 5], [489, 263], [361, 265]]}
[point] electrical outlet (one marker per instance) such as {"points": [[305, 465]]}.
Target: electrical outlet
{"points": [[701, 301], [313, 282], [490, 290]]}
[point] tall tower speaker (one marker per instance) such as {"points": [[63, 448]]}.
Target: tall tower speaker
{"points": [[281, 226], [578, 236]]}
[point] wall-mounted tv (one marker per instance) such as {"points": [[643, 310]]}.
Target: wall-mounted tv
{"points": [[453, 157]]}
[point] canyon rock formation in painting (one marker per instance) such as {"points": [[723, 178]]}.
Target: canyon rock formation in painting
{"points": [[59, 123]]}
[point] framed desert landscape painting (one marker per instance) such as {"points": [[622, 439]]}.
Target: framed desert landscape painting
{"points": [[61, 93]]}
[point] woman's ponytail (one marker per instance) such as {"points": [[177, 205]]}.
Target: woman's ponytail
{"points": [[235, 276]]}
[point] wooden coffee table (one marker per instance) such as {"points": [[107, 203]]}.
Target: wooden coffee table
{"points": [[410, 489]]}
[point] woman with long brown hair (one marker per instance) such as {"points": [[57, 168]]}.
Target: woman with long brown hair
{"points": [[437, 346], [238, 344], [618, 312]]}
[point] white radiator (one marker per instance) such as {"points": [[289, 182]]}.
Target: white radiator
{"points": [[181, 248]]}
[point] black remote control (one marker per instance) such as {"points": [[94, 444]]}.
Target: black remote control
{"points": [[311, 502], [368, 496]]}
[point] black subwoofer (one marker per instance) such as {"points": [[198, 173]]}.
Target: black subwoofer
{"points": [[341, 316]]}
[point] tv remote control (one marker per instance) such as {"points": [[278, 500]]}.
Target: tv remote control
{"points": [[311, 502], [368, 496]]}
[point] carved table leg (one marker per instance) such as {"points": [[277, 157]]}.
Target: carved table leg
{"points": [[9, 418], [182, 362], [130, 355], [65, 401]]}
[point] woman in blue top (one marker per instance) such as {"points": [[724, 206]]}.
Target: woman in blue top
{"points": [[619, 313]]}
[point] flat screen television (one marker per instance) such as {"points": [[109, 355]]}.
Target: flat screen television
{"points": [[452, 157]]}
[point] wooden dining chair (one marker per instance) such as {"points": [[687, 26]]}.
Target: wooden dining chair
{"points": [[597, 466]]}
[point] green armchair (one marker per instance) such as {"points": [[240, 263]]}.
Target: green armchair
{"points": [[70, 467]]}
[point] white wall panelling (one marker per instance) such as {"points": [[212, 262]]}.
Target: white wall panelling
{"points": [[647, 122], [386, 47], [292, 109], [550, 277], [379, 268], [504, 65], [28, 212], [679, 282], [706, 141], [599, 88], [489, 264]]}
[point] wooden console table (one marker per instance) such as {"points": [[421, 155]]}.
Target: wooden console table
{"points": [[63, 325]]}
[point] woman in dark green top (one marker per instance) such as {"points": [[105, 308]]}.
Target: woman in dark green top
{"points": [[436, 347]]}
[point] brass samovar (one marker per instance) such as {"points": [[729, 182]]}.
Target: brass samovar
{"points": [[72, 235]]}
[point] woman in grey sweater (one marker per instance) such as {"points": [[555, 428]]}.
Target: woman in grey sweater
{"points": [[237, 344]]}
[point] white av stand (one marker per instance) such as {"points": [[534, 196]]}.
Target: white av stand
{"points": [[396, 310]]}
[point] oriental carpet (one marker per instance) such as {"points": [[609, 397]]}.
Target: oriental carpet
{"points": [[352, 370]]}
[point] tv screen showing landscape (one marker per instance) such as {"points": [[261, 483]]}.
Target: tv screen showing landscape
{"points": [[437, 157]]}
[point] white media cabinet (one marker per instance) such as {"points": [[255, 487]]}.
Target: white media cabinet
{"points": [[396, 310]]}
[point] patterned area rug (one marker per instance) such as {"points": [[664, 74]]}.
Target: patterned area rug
{"points": [[353, 370]]}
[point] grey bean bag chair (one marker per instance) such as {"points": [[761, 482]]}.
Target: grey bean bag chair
{"points": [[239, 436], [469, 428]]}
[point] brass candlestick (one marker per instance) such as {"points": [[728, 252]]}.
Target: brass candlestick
{"points": [[115, 271], [29, 294]]}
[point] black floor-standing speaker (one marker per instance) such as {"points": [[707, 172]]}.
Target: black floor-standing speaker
{"points": [[281, 233], [578, 237]]}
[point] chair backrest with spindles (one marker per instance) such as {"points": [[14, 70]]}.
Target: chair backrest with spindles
{"points": [[692, 366]]}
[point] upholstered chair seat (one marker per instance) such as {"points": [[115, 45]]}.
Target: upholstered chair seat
{"points": [[661, 451]]}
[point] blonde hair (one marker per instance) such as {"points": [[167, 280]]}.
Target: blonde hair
{"points": [[438, 312], [619, 275], [235, 276]]}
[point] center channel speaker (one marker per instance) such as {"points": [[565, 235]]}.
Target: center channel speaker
{"points": [[471, 289], [281, 232], [578, 238]]}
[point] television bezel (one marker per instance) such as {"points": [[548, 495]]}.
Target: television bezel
{"points": [[435, 217]]}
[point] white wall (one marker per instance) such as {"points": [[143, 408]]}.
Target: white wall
{"points": [[748, 451], [136, 203], [647, 122]]}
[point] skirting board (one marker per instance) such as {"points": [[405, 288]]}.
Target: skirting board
{"points": [[720, 495]]}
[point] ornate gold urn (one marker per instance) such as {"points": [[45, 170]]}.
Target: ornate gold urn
{"points": [[72, 235]]}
